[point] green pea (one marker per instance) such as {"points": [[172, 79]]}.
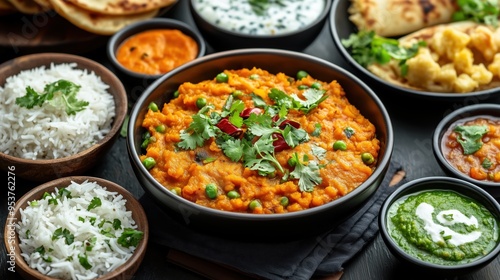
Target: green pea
{"points": [[153, 107], [254, 204], [340, 145], [367, 158], [301, 75], [149, 162], [284, 201], [176, 94], [222, 78], [211, 191], [176, 191], [237, 93], [233, 194], [254, 77], [160, 128], [316, 85], [303, 87], [201, 102]]}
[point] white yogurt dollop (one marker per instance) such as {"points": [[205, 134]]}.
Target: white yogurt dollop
{"points": [[280, 17]]}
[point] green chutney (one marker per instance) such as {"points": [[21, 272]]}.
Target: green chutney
{"points": [[442, 227]]}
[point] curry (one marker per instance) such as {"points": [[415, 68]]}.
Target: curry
{"points": [[156, 51], [472, 146], [251, 141]]}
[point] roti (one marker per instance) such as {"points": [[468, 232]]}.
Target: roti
{"points": [[120, 7], [27, 6], [96, 22], [389, 18]]}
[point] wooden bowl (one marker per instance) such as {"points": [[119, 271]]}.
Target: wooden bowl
{"points": [[49, 169], [11, 240]]}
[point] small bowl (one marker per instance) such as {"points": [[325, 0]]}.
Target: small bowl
{"points": [[461, 187], [48, 169], [297, 223], [224, 39], [156, 23], [125, 271], [341, 28], [459, 115]]}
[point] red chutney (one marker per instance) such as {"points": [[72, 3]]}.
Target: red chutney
{"points": [[156, 51], [483, 164]]}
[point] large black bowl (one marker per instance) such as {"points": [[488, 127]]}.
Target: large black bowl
{"points": [[301, 222], [341, 28], [222, 39]]}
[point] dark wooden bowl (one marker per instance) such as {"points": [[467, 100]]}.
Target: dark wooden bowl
{"points": [[125, 271], [44, 170]]}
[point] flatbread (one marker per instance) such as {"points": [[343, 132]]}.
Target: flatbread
{"points": [[95, 22], [43, 3], [6, 7], [27, 6], [389, 18], [121, 7]]}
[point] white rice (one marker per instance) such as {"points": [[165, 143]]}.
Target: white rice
{"points": [[47, 132], [38, 223]]}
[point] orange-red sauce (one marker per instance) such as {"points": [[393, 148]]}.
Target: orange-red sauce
{"points": [[157, 51], [473, 164]]}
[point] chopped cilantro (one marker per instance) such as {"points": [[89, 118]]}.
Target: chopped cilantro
{"points": [[486, 164], [68, 236], [317, 130], [349, 132], [61, 92], [130, 237], [84, 262], [482, 11], [95, 202], [470, 137], [199, 130], [308, 175], [117, 224]]}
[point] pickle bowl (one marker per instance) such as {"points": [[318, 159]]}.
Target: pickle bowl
{"points": [[403, 247], [457, 117], [227, 223]]}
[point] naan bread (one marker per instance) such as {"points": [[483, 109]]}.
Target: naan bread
{"points": [[95, 22], [27, 6], [6, 7], [121, 7], [43, 3], [390, 18], [459, 57]]}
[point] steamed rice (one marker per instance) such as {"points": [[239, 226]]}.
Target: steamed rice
{"points": [[40, 220], [47, 132]]}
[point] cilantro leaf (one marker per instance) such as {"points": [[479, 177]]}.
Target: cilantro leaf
{"points": [[94, 203], [59, 93], [313, 97], [294, 136], [470, 137], [68, 236], [199, 130], [481, 11], [308, 175], [232, 149], [84, 262], [130, 237]]}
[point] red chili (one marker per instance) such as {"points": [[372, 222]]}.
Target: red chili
{"points": [[280, 143], [292, 123], [226, 126], [248, 111]]}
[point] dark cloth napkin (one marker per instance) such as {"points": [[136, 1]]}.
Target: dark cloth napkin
{"points": [[323, 254]]}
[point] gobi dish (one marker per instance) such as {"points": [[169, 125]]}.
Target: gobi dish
{"points": [[252, 141]]}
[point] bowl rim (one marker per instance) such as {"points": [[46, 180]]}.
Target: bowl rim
{"points": [[407, 189], [137, 255], [382, 167], [444, 124], [443, 96], [118, 119], [119, 37], [319, 19]]}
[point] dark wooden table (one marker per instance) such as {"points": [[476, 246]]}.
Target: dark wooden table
{"points": [[413, 121]]}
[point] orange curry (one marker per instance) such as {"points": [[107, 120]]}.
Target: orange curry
{"points": [[472, 146], [156, 51], [251, 141]]}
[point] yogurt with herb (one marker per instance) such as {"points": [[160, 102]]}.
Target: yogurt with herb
{"points": [[253, 17], [442, 227]]}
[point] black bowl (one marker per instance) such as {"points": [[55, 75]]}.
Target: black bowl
{"points": [[268, 225], [417, 266], [464, 113], [341, 28], [156, 23], [222, 39]]}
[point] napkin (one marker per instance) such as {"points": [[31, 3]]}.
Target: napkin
{"points": [[303, 258]]}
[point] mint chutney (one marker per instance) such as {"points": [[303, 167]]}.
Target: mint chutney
{"points": [[442, 227]]}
